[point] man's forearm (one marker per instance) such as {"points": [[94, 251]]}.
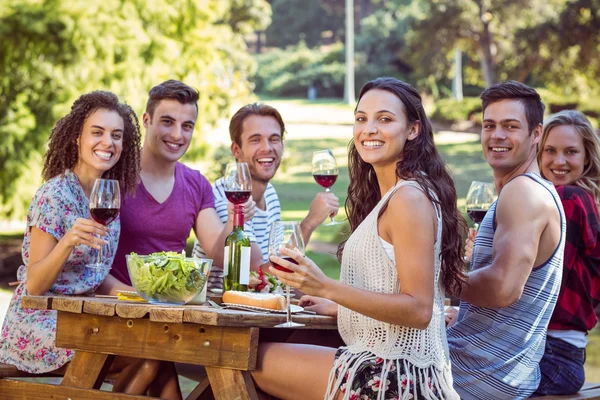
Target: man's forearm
{"points": [[307, 229], [486, 288]]}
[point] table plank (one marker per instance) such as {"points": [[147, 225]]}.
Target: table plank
{"points": [[132, 310], [227, 317], [167, 314], [225, 347], [99, 308], [26, 390], [37, 302], [202, 315], [68, 303]]}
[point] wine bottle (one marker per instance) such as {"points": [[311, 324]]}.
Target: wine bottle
{"points": [[236, 260]]}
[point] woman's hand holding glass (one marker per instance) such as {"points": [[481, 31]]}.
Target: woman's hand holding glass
{"points": [[306, 275], [86, 232]]}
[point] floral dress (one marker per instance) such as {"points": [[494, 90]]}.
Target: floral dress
{"points": [[28, 335]]}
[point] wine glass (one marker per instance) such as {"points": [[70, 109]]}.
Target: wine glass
{"points": [[238, 184], [480, 197], [325, 172], [105, 202], [286, 235]]}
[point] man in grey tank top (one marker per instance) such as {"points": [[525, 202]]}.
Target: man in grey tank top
{"points": [[498, 338]]}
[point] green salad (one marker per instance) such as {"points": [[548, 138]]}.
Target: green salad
{"points": [[166, 275]]}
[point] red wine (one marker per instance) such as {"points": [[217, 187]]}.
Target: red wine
{"points": [[326, 181], [284, 269], [104, 216], [476, 215], [238, 196]]}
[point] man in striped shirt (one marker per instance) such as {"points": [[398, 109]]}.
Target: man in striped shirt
{"points": [[516, 267], [256, 132]]}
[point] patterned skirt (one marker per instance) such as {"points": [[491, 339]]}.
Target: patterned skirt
{"points": [[365, 377]]}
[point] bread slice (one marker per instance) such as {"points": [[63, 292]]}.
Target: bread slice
{"points": [[271, 301]]}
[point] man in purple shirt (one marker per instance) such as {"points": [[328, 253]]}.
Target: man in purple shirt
{"points": [[171, 199]]}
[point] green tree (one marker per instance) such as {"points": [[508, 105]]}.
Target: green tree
{"points": [[304, 20], [53, 51], [564, 51], [483, 29]]}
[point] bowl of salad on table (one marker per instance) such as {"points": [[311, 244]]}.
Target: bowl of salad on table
{"points": [[168, 277]]}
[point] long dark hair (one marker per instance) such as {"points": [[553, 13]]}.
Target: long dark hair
{"points": [[421, 162], [63, 151]]}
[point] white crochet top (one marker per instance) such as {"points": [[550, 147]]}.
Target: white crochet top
{"points": [[424, 353]]}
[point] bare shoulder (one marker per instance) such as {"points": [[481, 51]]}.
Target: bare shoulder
{"points": [[524, 196], [410, 202]]}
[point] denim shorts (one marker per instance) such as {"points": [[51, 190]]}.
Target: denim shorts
{"points": [[561, 368]]}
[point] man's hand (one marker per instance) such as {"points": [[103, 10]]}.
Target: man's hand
{"points": [[249, 209], [324, 204], [469, 243], [450, 316]]}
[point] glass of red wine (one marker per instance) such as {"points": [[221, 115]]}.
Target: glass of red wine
{"points": [[325, 172], [238, 184], [105, 202], [480, 197], [286, 235]]}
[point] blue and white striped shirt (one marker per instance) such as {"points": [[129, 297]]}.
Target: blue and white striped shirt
{"points": [[495, 352], [258, 227]]}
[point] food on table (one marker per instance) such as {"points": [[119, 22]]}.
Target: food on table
{"points": [[264, 283], [272, 301], [168, 276]]}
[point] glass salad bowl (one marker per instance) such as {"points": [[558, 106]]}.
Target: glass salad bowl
{"points": [[168, 277]]}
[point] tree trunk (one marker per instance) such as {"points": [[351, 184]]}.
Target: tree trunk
{"points": [[258, 41], [488, 64]]}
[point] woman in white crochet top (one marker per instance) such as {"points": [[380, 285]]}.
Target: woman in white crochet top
{"points": [[404, 252]]}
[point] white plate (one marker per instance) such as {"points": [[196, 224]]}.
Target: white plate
{"points": [[295, 308]]}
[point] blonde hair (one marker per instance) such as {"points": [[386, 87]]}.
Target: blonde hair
{"points": [[590, 178]]}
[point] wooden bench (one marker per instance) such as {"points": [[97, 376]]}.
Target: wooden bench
{"points": [[201, 392], [588, 391], [10, 371]]}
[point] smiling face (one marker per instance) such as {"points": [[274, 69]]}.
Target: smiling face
{"points": [[261, 146], [563, 157], [505, 138], [169, 130], [381, 128], [100, 143]]}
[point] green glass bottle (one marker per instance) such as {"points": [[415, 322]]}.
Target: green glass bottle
{"points": [[236, 260]]}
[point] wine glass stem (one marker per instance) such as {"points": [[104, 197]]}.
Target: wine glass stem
{"points": [[100, 255], [327, 190], [289, 303], [476, 226]]}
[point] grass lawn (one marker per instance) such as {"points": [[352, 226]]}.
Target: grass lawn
{"points": [[320, 111]]}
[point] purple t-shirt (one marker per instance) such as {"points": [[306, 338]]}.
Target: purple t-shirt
{"points": [[148, 226]]}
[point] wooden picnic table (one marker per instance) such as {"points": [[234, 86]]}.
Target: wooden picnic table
{"points": [[225, 341]]}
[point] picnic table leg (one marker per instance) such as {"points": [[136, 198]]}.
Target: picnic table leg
{"points": [[87, 370], [230, 384]]}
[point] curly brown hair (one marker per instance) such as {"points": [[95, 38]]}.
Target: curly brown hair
{"points": [[63, 150], [421, 162]]}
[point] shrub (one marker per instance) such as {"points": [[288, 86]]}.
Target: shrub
{"points": [[292, 71], [452, 110]]}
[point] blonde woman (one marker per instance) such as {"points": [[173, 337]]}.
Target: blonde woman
{"points": [[569, 157]]}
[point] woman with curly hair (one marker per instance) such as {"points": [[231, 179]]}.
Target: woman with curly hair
{"points": [[569, 157], [99, 138], [404, 252]]}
